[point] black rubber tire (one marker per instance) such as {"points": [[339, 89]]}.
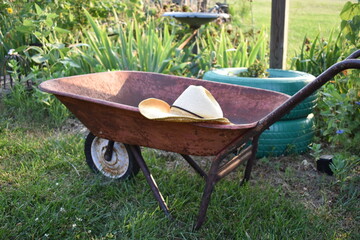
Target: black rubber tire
{"points": [[288, 82], [287, 137], [122, 157]]}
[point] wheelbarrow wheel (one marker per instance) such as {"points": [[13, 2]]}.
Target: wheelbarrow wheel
{"points": [[122, 164]]}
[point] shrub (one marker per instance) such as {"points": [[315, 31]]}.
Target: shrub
{"points": [[338, 106], [339, 112], [338, 109]]}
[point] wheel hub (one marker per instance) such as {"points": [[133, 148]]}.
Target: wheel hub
{"points": [[115, 167]]}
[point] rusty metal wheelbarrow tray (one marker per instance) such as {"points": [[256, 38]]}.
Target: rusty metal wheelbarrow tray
{"points": [[106, 103]]}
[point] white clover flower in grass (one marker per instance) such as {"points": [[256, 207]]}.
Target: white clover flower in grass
{"points": [[62, 209], [74, 225], [12, 52]]}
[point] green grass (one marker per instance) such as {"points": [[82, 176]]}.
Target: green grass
{"points": [[48, 192], [306, 18]]}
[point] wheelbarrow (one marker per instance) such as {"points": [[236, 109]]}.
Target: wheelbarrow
{"points": [[107, 104]]}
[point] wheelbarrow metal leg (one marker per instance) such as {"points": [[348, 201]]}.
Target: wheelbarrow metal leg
{"points": [[250, 162], [194, 165], [149, 178], [230, 166], [209, 187]]}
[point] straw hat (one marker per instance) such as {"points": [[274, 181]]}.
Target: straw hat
{"points": [[195, 104]]}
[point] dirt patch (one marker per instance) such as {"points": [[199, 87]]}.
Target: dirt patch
{"points": [[74, 126], [296, 175]]}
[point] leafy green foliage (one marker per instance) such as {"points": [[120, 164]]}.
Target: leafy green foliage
{"points": [[41, 25], [350, 24], [9, 37], [240, 53], [136, 47], [24, 23], [34, 106], [257, 69], [339, 112], [338, 106], [317, 56], [346, 169]]}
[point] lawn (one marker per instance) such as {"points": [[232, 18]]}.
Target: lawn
{"points": [[48, 192], [306, 18]]}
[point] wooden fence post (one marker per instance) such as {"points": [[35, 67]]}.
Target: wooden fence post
{"points": [[203, 5], [279, 32]]}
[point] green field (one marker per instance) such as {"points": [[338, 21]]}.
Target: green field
{"points": [[306, 18]]}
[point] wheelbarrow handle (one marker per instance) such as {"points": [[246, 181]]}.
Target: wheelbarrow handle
{"points": [[349, 63], [354, 55], [253, 134]]}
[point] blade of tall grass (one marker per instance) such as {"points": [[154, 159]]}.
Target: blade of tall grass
{"points": [[154, 47], [138, 46], [230, 55], [256, 49], [101, 44]]}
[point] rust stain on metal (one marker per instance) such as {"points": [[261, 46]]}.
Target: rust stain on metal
{"points": [[107, 104]]}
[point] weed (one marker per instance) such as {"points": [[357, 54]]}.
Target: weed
{"points": [[34, 106], [257, 69], [316, 150]]}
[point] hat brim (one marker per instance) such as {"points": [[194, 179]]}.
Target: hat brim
{"points": [[157, 109]]}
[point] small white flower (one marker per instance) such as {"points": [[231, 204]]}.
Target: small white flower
{"points": [[36, 219], [46, 235], [62, 209], [79, 219], [74, 225], [57, 184], [12, 51]]}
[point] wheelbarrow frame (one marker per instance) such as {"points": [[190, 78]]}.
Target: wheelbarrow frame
{"points": [[216, 172], [247, 152]]}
